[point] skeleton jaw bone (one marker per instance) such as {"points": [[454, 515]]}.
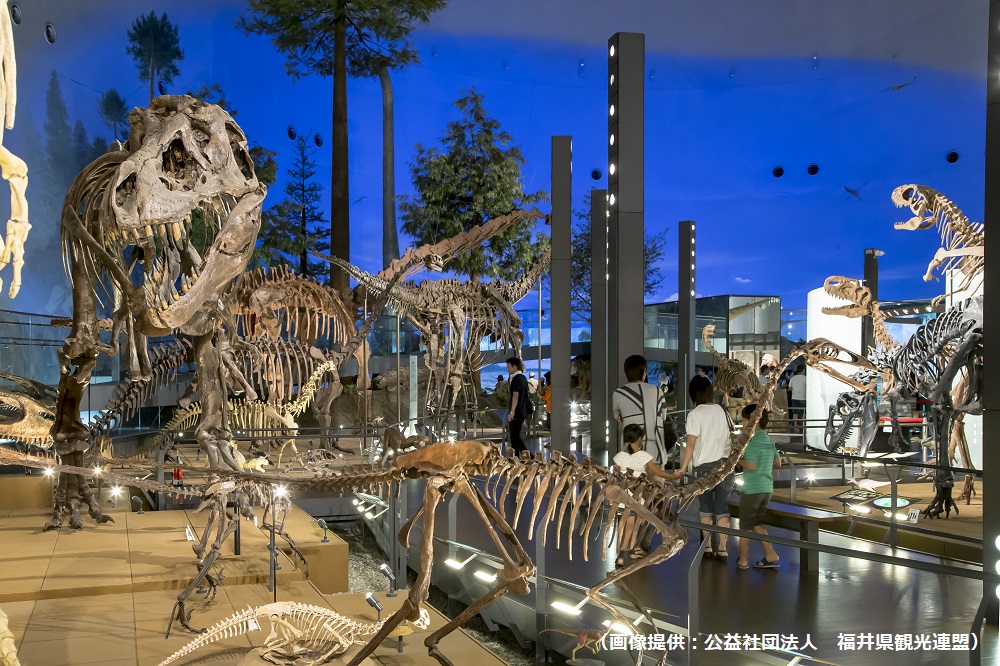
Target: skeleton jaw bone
{"points": [[820, 353], [910, 196], [847, 289]]}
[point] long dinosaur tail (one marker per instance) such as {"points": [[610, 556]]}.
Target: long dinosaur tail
{"points": [[234, 625]]}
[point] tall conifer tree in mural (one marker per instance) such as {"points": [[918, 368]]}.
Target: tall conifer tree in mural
{"points": [[296, 226], [333, 38], [58, 138], [155, 45], [114, 112], [473, 177]]}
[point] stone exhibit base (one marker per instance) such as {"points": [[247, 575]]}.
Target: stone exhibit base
{"points": [[103, 595]]}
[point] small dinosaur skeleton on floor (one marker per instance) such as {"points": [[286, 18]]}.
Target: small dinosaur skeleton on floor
{"points": [[585, 638], [300, 633]]}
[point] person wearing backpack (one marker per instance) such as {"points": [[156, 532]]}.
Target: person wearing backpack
{"points": [[521, 407], [644, 405]]}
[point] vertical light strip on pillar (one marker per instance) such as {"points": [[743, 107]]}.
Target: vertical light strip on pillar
{"points": [[686, 296], [625, 200]]}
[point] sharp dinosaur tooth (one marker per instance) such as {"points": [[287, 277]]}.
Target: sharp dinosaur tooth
{"points": [[177, 230], [149, 231], [163, 305], [162, 229], [175, 296]]}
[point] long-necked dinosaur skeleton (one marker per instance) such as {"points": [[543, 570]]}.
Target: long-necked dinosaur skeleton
{"points": [[12, 168], [963, 243], [298, 632], [453, 318]]}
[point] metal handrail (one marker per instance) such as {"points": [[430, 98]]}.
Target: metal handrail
{"points": [[931, 567]]}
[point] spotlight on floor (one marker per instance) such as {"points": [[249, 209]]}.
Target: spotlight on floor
{"points": [[324, 527], [387, 572], [374, 603]]}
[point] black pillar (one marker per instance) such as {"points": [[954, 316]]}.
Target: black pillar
{"points": [[599, 270], [871, 281], [562, 213], [626, 192], [991, 316], [686, 294]]}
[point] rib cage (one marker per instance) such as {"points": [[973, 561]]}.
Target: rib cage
{"points": [[305, 309]]}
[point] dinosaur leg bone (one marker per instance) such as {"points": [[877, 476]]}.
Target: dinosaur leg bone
{"points": [[410, 610], [15, 172]]}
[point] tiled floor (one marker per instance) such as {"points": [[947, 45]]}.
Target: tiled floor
{"points": [[104, 595]]}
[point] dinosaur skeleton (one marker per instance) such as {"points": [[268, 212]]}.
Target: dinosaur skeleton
{"points": [[12, 168], [453, 318], [733, 375], [128, 231], [448, 467], [585, 638], [298, 631], [27, 415], [947, 348], [8, 649], [130, 395], [220, 493], [863, 402], [963, 243]]}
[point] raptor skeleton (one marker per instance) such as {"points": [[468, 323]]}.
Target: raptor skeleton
{"points": [[963, 243]]}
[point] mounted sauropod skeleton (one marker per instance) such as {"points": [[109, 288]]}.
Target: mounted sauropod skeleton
{"points": [[157, 232]]}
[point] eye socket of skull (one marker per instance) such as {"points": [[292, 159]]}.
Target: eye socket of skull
{"points": [[909, 193], [125, 190], [178, 164], [237, 143]]}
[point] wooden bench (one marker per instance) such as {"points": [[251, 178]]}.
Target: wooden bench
{"points": [[802, 519]]}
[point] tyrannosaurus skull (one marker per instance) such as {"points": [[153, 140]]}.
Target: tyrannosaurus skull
{"points": [[188, 199]]}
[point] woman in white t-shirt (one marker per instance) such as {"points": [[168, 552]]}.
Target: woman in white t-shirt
{"points": [[709, 440], [638, 461]]}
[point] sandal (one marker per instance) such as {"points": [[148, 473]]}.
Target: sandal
{"points": [[764, 564], [721, 555], [742, 567]]}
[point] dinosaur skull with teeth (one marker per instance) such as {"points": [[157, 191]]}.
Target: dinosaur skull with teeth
{"points": [[162, 226], [191, 165]]}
